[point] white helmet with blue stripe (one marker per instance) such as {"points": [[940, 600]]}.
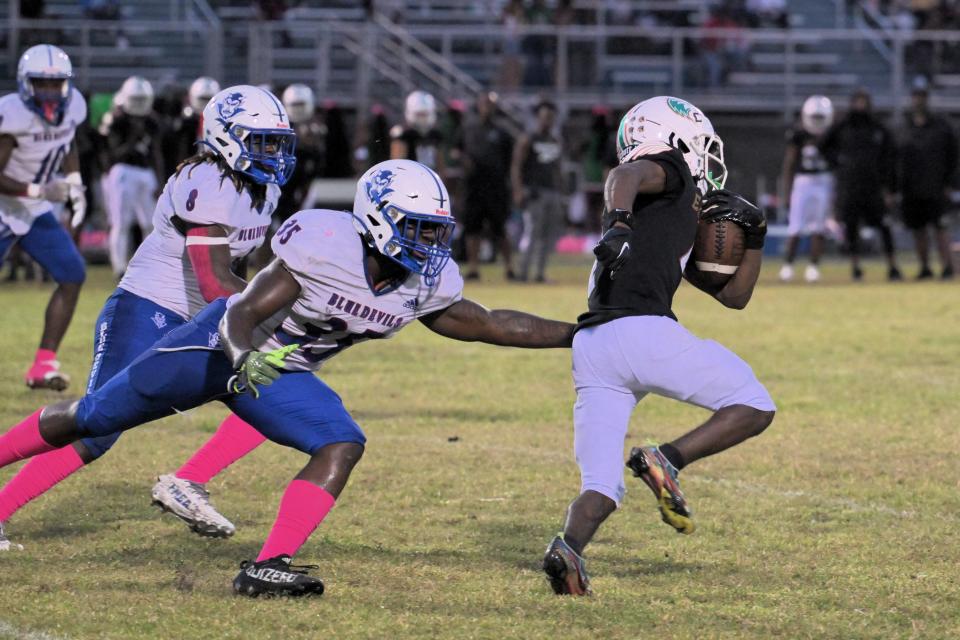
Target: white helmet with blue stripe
{"points": [[249, 128], [402, 208], [45, 81]]}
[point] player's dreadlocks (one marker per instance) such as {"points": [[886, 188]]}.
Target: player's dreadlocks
{"points": [[258, 192]]}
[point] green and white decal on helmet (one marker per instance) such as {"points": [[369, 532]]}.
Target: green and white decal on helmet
{"points": [[663, 123]]}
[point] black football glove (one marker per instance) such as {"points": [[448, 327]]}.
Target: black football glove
{"points": [[613, 250], [721, 204]]}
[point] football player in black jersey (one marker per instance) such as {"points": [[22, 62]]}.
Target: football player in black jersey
{"points": [[419, 139], [807, 185], [629, 343]]}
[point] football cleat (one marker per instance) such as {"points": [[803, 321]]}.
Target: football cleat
{"points": [[46, 374], [811, 273], [786, 273], [653, 468], [5, 544], [276, 577], [566, 569], [190, 502], [894, 275]]}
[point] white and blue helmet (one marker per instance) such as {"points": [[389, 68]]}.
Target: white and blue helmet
{"points": [[249, 128], [402, 209], [45, 63]]}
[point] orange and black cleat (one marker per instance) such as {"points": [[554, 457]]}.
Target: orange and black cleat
{"points": [[650, 465], [566, 569]]}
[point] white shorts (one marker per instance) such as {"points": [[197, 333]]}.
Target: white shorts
{"points": [[810, 203], [617, 363]]}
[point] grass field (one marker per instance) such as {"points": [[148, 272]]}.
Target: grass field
{"points": [[839, 522]]}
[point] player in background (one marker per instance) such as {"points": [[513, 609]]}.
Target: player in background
{"points": [[183, 131], [807, 185], [213, 211], [39, 171], [135, 168], [629, 343], [338, 278], [418, 138], [301, 106]]}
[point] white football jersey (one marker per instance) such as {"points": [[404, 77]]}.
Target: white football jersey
{"points": [[336, 307], [38, 155], [160, 270]]}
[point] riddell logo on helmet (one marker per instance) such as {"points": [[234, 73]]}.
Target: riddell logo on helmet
{"points": [[441, 212]]}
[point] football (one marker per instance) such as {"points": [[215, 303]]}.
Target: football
{"points": [[717, 252]]}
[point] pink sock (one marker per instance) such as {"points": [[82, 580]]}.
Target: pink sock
{"points": [[38, 476], [233, 440], [23, 441], [45, 354], [304, 506]]}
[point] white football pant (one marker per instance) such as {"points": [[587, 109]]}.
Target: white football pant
{"points": [[617, 363], [129, 199]]}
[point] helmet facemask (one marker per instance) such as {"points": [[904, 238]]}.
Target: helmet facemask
{"points": [[420, 242], [267, 155], [47, 96], [713, 175]]}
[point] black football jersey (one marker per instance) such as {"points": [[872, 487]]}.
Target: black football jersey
{"points": [[809, 159], [421, 147], [664, 228], [130, 139]]}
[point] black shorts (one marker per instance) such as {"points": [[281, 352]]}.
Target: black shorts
{"points": [[485, 206], [923, 212], [866, 211]]}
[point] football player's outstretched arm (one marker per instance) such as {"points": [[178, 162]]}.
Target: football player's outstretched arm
{"points": [[270, 291], [627, 180], [468, 321]]}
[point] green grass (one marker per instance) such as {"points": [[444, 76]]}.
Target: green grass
{"points": [[839, 522]]}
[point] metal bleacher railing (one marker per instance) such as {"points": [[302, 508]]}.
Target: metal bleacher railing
{"points": [[357, 59]]}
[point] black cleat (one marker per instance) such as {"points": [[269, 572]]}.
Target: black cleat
{"points": [[566, 570], [276, 577], [894, 275], [857, 274], [925, 274]]}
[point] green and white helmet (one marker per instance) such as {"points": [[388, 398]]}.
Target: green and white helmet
{"points": [[663, 123]]}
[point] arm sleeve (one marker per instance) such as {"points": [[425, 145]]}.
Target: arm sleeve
{"points": [[202, 260]]}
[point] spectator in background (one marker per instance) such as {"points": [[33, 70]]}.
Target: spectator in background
{"points": [[599, 156], [536, 176], [373, 140], [860, 150], [538, 47], [487, 151], [337, 163], [927, 162], [511, 70], [182, 129], [720, 49]]}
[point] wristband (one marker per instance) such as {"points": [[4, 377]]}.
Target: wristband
{"points": [[611, 218], [33, 190]]}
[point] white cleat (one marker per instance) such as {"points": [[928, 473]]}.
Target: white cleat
{"points": [[811, 274], [190, 501], [5, 544], [786, 273]]}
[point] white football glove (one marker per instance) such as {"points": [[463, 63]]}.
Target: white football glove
{"points": [[78, 200]]}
